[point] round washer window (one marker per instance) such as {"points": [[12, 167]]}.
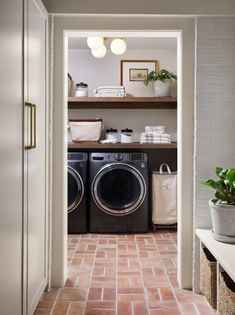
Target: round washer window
{"points": [[118, 189], [75, 189]]}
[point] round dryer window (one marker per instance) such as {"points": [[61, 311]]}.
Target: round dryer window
{"points": [[118, 189], [75, 189]]}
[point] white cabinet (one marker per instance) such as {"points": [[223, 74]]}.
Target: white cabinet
{"points": [[23, 170], [35, 184], [11, 140]]}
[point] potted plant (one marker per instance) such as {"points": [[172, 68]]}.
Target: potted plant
{"points": [[223, 205], [162, 81]]}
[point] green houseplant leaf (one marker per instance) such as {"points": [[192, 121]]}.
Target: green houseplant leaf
{"points": [[162, 75], [224, 187]]}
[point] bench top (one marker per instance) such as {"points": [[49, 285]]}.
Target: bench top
{"points": [[224, 253]]}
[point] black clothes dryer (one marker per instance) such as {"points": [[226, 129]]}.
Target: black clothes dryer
{"points": [[119, 192], [77, 195]]}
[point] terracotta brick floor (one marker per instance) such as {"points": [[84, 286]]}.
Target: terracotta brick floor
{"points": [[122, 275]]}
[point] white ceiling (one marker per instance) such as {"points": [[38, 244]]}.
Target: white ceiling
{"points": [[132, 43]]}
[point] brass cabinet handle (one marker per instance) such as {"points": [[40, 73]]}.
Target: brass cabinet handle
{"points": [[32, 126]]}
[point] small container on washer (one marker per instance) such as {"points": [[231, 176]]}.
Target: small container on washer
{"points": [[127, 136], [111, 134]]}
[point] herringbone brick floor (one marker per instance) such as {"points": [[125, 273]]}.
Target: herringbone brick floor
{"points": [[122, 275]]}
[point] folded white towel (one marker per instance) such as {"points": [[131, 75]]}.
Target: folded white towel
{"points": [[109, 95], [155, 142], [110, 90], [157, 134], [108, 87]]}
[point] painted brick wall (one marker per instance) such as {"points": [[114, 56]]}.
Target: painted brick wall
{"points": [[215, 105]]}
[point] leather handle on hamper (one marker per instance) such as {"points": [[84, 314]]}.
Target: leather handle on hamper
{"points": [[32, 126]]}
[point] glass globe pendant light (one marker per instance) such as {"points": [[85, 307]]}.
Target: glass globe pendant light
{"points": [[118, 46], [95, 42], [99, 52]]}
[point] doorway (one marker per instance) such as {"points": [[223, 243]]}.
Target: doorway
{"points": [[57, 267]]}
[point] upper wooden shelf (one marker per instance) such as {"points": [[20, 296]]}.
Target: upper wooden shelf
{"points": [[167, 102], [127, 146]]}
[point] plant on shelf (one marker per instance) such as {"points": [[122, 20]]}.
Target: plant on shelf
{"points": [[223, 205], [162, 81]]}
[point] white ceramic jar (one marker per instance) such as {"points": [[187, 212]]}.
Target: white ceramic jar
{"points": [[81, 90], [127, 136]]}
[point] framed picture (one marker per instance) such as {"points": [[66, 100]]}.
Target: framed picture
{"points": [[133, 73], [138, 74]]}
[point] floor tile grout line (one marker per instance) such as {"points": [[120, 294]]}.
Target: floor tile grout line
{"points": [[79, 238], [168, 276], [197, 310], [141, 272], [70, 264], [89, 285], [52, 307], [67, 313]]}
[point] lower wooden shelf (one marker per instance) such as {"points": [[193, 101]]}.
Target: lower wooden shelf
{"points": [[126, 146]]}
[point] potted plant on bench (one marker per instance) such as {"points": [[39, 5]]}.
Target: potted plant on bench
{"points": [[223, 205], [162, 81]]}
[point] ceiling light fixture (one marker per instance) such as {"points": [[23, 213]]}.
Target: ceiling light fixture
{"points": [[118, 46], [95, 42], [99, 52]]}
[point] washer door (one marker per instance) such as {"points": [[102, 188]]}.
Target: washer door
{"points": [[75, 189], [118, 189]]}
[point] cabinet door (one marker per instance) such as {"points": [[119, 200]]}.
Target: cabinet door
{"points": [[11, 148], [37, 216]]}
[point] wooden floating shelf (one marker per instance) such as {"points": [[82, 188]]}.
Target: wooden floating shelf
{"points": [[167, 102], [126, 146]]}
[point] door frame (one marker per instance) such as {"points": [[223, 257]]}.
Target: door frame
{"points": [[61, 26]]}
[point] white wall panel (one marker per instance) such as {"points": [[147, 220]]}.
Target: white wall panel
{"points": [[215, 110]]}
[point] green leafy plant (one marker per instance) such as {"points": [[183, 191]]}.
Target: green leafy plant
{"points": [[162, 75], [224, 187]]}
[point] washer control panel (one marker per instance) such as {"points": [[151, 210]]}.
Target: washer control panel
{"points": [[118, 157]]}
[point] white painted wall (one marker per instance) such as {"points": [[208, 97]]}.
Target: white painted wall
{"points": [[106, 71], [215, 109], [193, 7]]}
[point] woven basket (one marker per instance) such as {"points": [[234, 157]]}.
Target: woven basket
{"points": [[208, 276], [226, 295]]}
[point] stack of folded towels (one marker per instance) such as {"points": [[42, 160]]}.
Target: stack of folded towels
{"points": [[110, 91], [154, 136]]}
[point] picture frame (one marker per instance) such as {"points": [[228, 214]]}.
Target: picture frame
{"points": [[132, 75]]}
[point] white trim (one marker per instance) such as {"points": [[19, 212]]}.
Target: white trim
{"points": [[184, 28], [136, 15]]}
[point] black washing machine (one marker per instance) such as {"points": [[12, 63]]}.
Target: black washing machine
{"points": [[119, 192], [77, 195]]}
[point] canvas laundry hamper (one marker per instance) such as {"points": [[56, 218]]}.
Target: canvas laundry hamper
{"points": [[164, 196]]}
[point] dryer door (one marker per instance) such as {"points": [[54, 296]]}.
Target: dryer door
{"points": [[75, 189], [118, 189]]}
